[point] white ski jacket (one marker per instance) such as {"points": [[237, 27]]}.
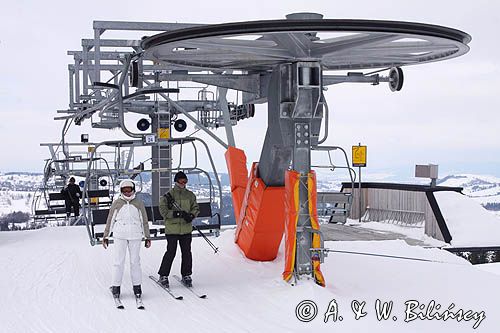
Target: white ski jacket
{"points": [[127, 219]]}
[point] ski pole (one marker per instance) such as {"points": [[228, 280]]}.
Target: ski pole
{"points": [[176, 206], [206, 238]]}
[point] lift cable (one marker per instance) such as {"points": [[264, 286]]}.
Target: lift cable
{"points": [[389, 256]]}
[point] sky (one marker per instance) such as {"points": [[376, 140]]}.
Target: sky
{"points": [[445, 114]]}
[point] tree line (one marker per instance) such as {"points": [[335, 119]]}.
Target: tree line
{"points": [[481, 257], [492, 206], [11, 218]]}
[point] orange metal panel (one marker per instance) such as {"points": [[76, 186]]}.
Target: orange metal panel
{"points": [[291, 215], [238, 195], [238, 176], [291, 218], [261, 219], [236, 162], [313, 213]]}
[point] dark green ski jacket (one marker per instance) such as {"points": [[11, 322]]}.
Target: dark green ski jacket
{"points": [[187, 201]]}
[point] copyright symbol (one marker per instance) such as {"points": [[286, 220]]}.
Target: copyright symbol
{"points": [[306, 311]]}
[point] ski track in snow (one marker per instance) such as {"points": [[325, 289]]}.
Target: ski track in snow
{"points": [[54, 281]]}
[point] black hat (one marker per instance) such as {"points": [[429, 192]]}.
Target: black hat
{"points": [[179, 175]]}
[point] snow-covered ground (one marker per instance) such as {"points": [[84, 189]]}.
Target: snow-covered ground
{"points": [[15, 201], [492, 268], [54, 281], [417, 233], [469, 223]]}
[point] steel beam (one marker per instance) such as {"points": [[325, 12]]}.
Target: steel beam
{"points": [[112, 42], [226, 116], [142, 26]]}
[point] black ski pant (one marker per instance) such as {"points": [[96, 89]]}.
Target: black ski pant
{"points": [[168, 257], [72, 204]]}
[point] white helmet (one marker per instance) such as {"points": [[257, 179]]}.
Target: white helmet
{"points": [[127, 183]]}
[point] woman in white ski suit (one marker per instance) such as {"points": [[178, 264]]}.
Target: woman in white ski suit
{"points": [[128, 221]]}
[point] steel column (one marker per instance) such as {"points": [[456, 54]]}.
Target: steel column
{"points": [[161, 157]]}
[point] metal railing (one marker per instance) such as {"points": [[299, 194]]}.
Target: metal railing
{"points": [[394, 216]]}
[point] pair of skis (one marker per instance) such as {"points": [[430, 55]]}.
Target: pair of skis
{"points": [[119, 304], [173, 293], [140, 304]]}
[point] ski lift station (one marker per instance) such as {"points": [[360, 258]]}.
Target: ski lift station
{"points": [[163, 76]]}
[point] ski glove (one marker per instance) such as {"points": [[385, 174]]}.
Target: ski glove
{"points": [[105, 243], [147, 243], [188, 217]]}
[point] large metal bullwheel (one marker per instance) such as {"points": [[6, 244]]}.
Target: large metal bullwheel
{"points": [[336, 44], [292, 54]]}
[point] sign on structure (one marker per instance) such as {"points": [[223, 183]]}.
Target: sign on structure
{"points": [[150, 138], [164, 133], [358, 156]]}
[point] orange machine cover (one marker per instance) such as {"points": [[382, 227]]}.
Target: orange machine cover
{"points": [[260, 222], [237, 167], [291, 216], [313, 213], [291, 219]]}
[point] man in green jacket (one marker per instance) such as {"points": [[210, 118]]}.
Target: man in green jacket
{"points": [[178, 208]]}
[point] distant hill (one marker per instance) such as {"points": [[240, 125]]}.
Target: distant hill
{"points": [[20, 181], [482, 188], [16, 188], [224, 178]]}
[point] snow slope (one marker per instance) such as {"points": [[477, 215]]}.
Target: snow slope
{"points": [[469, 223], [52, 280], [492, 268], [14, 201]]}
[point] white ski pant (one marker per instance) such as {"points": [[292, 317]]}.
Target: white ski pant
{"points": [[119, 252]]}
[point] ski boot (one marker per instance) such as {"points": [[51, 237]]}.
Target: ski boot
{"points": [[115, 290], [138, 291], [138, 297], [164, 281], [187, 281]]}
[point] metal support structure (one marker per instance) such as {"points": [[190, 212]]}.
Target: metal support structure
{"points": [[227, 118], [161, 158], [295, 108], [360, 196], [306, 115], [97, 59], [294, 119], [283, 65]]}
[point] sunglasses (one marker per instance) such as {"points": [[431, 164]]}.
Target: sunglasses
{"points": [[127, 190], [184, 182]]}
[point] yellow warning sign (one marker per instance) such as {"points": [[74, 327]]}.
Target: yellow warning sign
{"points": [[164, 133], [358, 156]]}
